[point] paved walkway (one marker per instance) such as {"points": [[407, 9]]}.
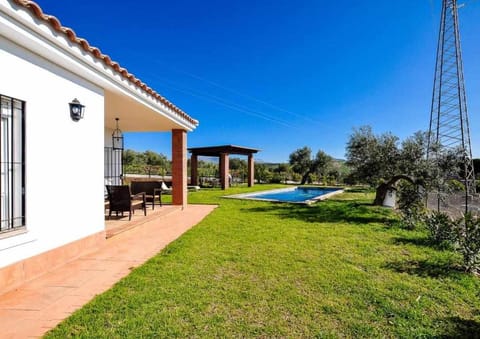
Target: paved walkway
{"points": [[39, 305]]}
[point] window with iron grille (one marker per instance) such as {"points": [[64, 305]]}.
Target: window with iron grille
{"points": [[12, 164], [113, 171]]}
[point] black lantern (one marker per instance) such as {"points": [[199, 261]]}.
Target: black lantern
{"points": [[117, 138], [76, 110]]}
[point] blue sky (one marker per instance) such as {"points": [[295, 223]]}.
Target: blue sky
{"points": [[280, 75]]}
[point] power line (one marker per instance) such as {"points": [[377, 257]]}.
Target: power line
{"points": [[224, 103], [244, 95], [234, 91]]}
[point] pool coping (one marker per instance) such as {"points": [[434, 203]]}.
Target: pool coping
{"points": [[251, 195]]}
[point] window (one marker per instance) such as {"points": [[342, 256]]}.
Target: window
{"points": [[12, 164], [113, 170]]}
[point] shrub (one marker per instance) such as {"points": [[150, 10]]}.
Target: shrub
{"points": [[455, 186], [277, 178], [468, 234], [410, 197], [411, 206], [312, 178], [442, 229], [463, 232], [411, 219], [296, 177]]}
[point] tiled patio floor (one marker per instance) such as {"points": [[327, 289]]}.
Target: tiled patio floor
{"points": [[116, 225], [41, 304]]}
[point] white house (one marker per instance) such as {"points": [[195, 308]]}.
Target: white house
{"points": [[52, 166]]}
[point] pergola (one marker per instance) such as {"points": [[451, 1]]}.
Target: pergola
{"points": [[223, 153]]}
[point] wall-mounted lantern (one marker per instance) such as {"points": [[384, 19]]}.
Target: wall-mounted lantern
{"points": [[117, 138], [76, 110]]}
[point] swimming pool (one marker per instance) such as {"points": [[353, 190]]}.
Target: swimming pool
{"points": [[298, 195]]}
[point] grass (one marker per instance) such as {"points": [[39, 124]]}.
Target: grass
{"points": [[257, 269]]}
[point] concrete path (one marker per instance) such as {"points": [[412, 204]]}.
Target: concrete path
{"points": [[39, 305]]}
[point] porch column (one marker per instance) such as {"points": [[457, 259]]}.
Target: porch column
{"points": [[251, 170], [194, 170], [224, 170], [179, 167]]}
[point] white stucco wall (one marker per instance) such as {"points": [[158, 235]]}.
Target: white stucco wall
{"points": [[64, 159]]}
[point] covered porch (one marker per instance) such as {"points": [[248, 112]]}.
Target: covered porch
{"points": [[139, 114]]}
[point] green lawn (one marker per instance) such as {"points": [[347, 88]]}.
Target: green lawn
{"points": [[256, 269]]}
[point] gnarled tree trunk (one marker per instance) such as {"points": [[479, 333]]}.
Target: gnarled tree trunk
{"points": [[383, 188], [305, 178]]}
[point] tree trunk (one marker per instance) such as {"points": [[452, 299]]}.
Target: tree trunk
{"points": [[380, 194], [383, 188], [305, 178]]}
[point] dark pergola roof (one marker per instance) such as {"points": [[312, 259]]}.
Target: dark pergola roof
{"points": [[217, 150]]}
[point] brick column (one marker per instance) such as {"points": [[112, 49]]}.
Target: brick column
{"points": [[251, 170], [224, 170], [179, 167], [194, 170]]}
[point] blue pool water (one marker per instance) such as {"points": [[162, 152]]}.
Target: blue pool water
{"points": [[296, 194]]}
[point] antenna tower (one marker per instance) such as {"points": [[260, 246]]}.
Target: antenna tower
{"points": [[449, 127]]}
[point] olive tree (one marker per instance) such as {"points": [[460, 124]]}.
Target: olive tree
{"points": [[301, 162], [373, 158], [155, 162], [379, 160]]}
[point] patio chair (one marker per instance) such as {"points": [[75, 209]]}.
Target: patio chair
{"points": [[152, 189], [121, 200]]}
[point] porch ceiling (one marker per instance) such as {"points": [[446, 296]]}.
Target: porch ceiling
{"points": [[136, 116]]}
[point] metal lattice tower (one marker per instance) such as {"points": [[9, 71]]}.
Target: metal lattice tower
{"points": [[449, 127]]}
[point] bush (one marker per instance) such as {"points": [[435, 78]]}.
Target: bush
{"points": [[442, 229], [455, 186], [411, 219], [410, 197], [312, 178], [410, 204], [468, 234], [277, 178], [296, 177], [464, 233]]}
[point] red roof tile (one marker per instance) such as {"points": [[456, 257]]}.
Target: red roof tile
{"points": [[94, 51]]}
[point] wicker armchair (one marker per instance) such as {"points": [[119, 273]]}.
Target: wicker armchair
{"points": [[152, 189], [121, 200]]}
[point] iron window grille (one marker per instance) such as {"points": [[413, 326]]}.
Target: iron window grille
{"points": [[12, 164], [113, 171]]}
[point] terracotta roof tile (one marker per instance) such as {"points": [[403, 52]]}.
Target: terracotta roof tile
{"points": [[53, 22]]}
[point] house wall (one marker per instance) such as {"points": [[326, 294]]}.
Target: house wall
{"points": [[64, 159]]}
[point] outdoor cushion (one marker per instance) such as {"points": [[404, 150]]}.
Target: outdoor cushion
{"points": [[165, 187]]}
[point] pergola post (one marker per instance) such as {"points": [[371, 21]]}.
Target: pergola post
{"points": [[224, 170], [179, 167], [194, 170], [251, 170]]}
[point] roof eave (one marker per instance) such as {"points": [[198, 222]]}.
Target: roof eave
{"points": [[109, 74]]}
